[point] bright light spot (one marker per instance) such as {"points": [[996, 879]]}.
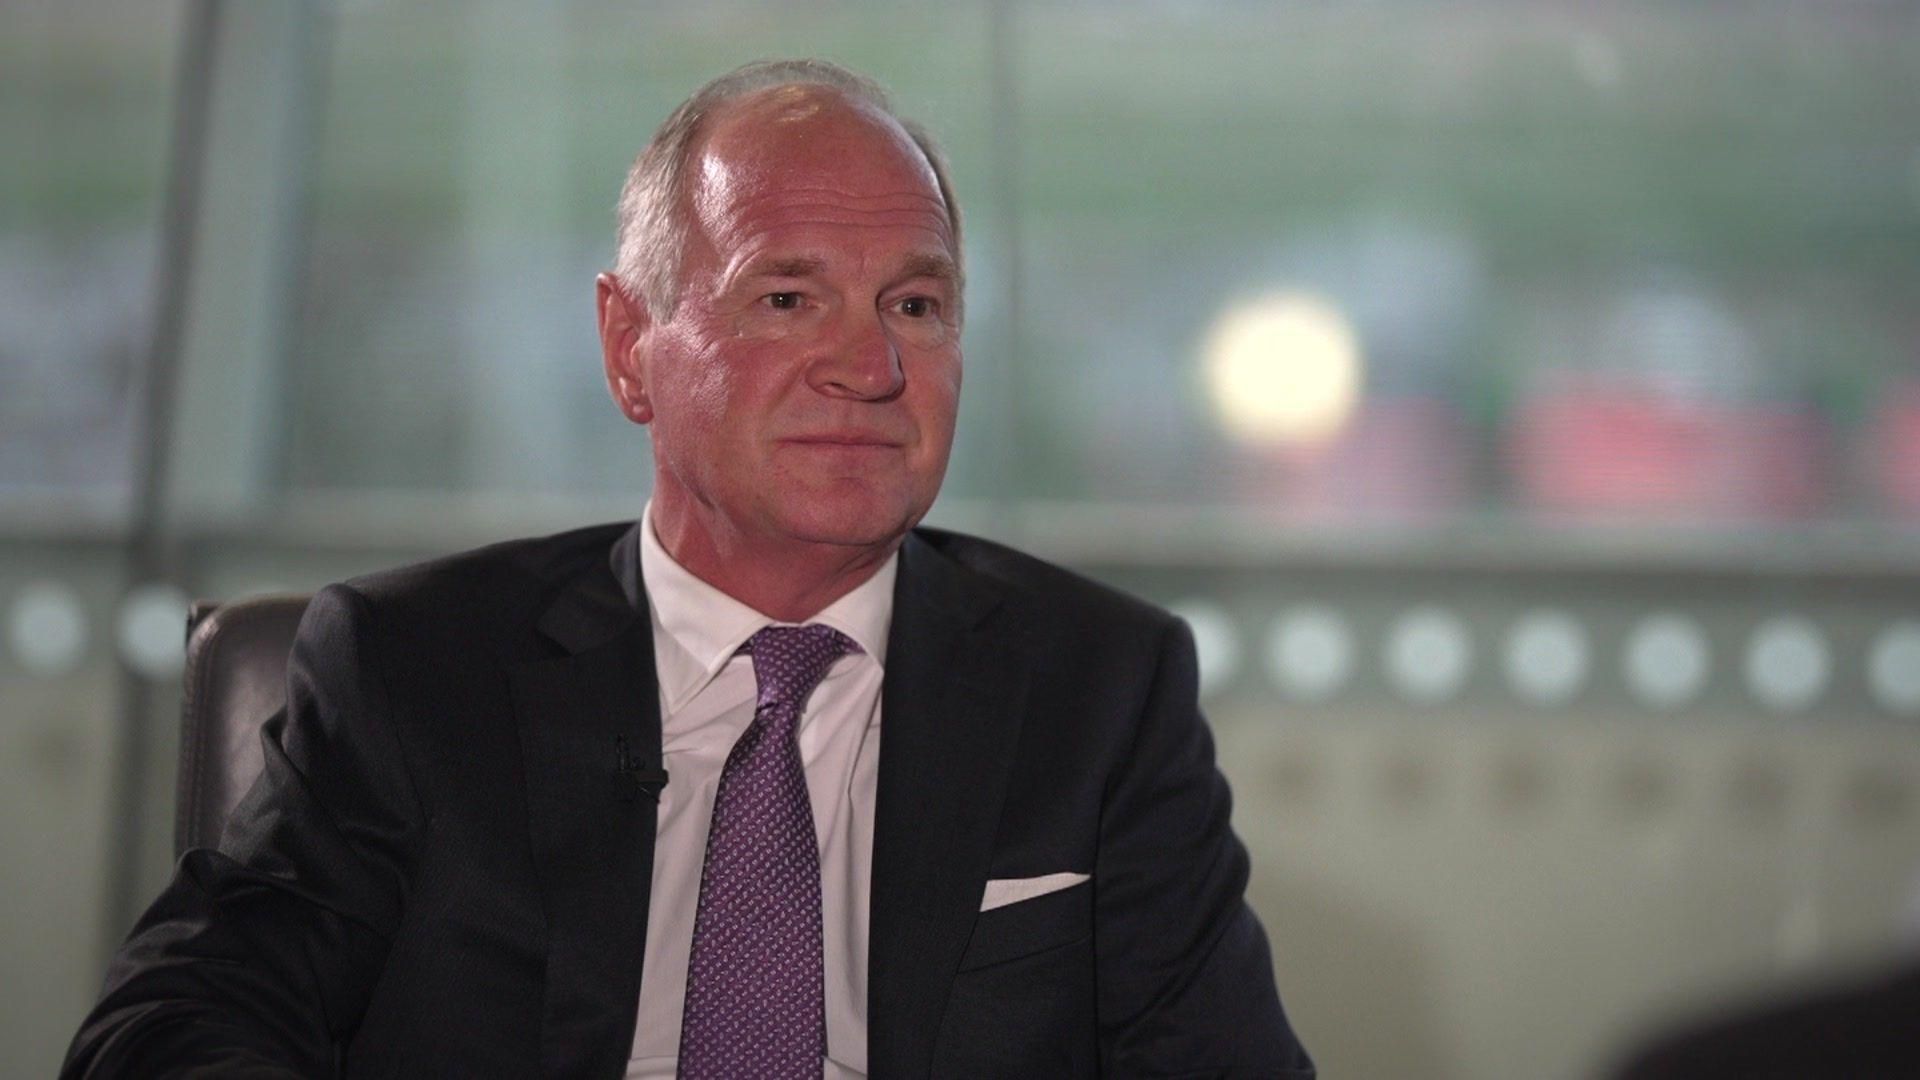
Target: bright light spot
{"points": [[1893, 668], [1667, 661], [1310, 652], [1547, 658], [1597, 59], [1429, 655], [1787, 664], [47, 628], [1216, 641], [153, 630], [1283, 370]]}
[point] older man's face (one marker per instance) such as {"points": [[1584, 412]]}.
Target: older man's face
{"points": [[805, 387]]}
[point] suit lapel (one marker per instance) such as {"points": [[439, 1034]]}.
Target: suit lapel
{"points": [[587, 719], [951, 706]]}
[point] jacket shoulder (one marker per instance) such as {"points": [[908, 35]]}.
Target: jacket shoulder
{"points": [[505, 583], [1048, 592]]}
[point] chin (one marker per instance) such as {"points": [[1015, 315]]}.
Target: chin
{"points": [[855, 519]]}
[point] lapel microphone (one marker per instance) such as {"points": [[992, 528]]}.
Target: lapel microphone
{"points": [[648, 778]]}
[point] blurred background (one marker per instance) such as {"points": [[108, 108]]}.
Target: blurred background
{"points": [[1521, 401]]}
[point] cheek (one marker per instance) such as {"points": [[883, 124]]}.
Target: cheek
{"points": [[706, 397], [699, 390], [940, 391]]}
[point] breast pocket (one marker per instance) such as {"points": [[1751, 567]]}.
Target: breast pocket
{"points": [[1031, 926]]}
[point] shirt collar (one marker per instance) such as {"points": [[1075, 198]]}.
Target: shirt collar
{"points": [[705, 626]]}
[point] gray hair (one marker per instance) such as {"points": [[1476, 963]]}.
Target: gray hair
{"points": [[651, 214]]}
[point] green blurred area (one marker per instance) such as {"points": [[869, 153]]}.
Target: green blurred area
{"points": [[1737, 132], [1762, 154]]}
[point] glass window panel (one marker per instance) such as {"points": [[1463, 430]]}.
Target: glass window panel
{"points": [[83, 113], [467, 171], [1647, 265]]}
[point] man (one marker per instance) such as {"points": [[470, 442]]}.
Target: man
{"points": [[771, 783]]}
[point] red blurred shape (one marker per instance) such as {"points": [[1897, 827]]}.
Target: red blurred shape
{"points": [[1397, 459], [1620, 454], [1892, 450]]}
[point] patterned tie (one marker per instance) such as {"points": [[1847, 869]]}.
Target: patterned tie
{"points": [[756, 1006]]}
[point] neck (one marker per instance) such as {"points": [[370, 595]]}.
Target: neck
{"points": [[791, 581]]}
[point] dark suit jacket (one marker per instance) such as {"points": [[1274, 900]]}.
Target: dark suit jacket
{"points": [[444, 869]]}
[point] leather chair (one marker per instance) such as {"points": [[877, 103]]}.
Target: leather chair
{"points": [[236, 678]]}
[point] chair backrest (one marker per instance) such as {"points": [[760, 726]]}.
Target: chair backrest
{"points": [[236, 678]]}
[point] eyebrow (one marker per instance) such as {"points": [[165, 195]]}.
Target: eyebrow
{"points": [[797, 266], [803, 266], [933, 266]]}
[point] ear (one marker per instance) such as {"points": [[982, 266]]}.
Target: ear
{"points": [[623, 322]]}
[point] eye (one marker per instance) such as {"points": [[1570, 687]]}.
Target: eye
{"points": [[783, 301], [916, 307]]}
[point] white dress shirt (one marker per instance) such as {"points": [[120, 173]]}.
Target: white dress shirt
{"points": [[707, 696]]}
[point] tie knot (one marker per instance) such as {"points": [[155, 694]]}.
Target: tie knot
{"points": [[789, 661]]}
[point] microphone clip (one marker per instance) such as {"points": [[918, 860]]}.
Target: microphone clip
{"points": [[648, 778]]}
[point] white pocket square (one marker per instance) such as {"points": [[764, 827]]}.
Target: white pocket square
{"points": [[1003, 891]]}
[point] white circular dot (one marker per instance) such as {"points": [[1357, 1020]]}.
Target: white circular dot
{"points": [[1310, 652], [153, 627], [1428, 655], [1893, 668], [1547, 658], [1215, 639], [1787, 664], [1666, 661], [47, 628]]}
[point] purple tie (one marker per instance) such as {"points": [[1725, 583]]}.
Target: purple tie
{"points": [[756, 1006]]}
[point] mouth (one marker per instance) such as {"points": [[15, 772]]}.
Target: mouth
{"points": [[844, 441]]}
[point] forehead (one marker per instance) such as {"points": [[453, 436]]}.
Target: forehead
{"points": [[808, 158]]}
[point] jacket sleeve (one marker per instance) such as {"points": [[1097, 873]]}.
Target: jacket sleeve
{"points": [[1185, 978], [258, 958]]}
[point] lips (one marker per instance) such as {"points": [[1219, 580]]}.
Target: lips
{"points": [[856, 439]]}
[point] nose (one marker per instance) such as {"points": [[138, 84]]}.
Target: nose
{"points": [[861, 362]]}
